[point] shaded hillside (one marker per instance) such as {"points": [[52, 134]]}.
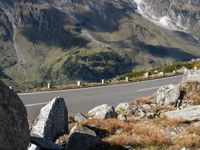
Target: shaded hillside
{"points": [[62, 41]]}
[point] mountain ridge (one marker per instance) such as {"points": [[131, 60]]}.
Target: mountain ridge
{"points": [[62, 41]]}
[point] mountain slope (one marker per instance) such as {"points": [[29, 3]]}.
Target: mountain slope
{"points": [[61, 41]]}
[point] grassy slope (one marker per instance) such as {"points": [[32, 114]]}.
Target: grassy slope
{"points": [[122, 42]]}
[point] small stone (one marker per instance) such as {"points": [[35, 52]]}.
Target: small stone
{"points": [[123, 108], [139, 112], [146, 106], [122, 117], [103, 112], [185, 148], [83, 130], [80, 117]]}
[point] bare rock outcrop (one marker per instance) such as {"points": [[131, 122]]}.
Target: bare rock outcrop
{"points": [[191, 75], [14, 130], [189, 114]]}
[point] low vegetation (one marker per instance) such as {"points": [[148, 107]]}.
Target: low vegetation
{"points": [[142, 133], [133, 77]]}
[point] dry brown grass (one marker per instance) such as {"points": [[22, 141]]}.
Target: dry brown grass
{"points": [[138, 135], [195, 98], [145, 133], [144, 100], [189, 138], [193, 129], [165, 122], [71, 115], [132, 133], [111, 125]]}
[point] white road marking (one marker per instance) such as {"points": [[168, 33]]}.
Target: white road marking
{"points": [[118, 85], [36, 104], [151, 88]]}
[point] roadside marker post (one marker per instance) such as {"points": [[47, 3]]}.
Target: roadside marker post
{"points": [[127, 79], [78, 83], [102, 81], [49, 85]]}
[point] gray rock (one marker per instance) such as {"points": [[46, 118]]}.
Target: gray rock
{"points": [[80, 141], [168, 95], [150, 115], [14, 129], [71, 120], [139, 112], [83, 130], [80, 117], [190, 113], [52, 120], [102, 112], [146, 107], [153, 115], [185, 148], [33, 147], [122, 117], [191, 75], [123, 108], [38, 143]]}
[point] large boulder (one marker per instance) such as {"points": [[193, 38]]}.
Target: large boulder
{"points": [[190, 113], [103, 112], [80, 141], [84, 138], [168, 95], [14, 129], [191, 75], [52, 120]]}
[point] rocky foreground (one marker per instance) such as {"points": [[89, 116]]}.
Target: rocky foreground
{"points": [[169, 119]]}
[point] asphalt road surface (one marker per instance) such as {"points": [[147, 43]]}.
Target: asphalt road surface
{"points": [[82, 100]]}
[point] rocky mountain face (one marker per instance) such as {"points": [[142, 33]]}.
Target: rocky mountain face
{"points": [[174, 15], [65, 40]]}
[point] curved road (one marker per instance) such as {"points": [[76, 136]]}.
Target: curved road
{"points": [[82, 100]]}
